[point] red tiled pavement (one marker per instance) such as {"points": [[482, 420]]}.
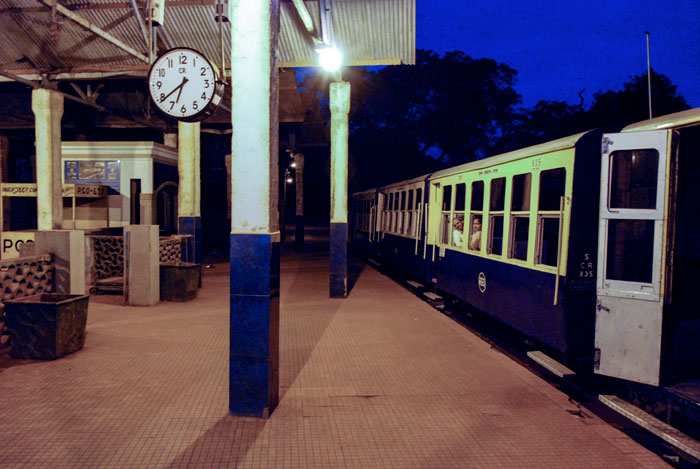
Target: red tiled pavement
{"points": [[379, 379]]}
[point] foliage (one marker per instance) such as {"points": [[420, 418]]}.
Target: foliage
{"points": [[446, 110]]}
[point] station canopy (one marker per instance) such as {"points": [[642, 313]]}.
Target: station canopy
{"points": [[92, 49]]}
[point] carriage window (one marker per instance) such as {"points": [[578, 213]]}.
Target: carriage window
{"points": [[633, 178], [458, 216], [417, 215], [630, 250], [477, 195], [408, 225], [552, 188], [395, 213], [445, 220], [496, 205], [552, 184], [520, 228], [520, 201], [498, 194], [476, 216], [549, 241]]}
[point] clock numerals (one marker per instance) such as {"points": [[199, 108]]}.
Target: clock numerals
{"points": [[170, 62], [203, 71], [204, 96], [159, 84], [161, 73], [206, 83], [183, 109], [195, 106], [183, 60]]}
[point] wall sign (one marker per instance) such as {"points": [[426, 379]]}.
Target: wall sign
{"points": [[102, 172]]}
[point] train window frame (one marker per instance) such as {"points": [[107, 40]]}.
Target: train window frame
{"points": [[496, 211], [408, 228], [522, 200], [474, 212], [417, 211], [457, 218], [546, 211], [445, 233], [613, 188]]}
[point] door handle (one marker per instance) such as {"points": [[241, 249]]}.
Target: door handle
{"points": [[600, 306]]}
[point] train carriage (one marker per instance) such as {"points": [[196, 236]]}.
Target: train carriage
{"points": [[402, 225], [588, 244]]}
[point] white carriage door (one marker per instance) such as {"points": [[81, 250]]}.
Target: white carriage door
{"points": [[631, 255]]}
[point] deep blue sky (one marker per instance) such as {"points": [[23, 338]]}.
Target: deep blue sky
{"points": [[560, 47]]}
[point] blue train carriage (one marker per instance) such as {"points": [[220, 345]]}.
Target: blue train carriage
{"points": [[402, 226], [364, 225], [647, 327], [515, 236]]}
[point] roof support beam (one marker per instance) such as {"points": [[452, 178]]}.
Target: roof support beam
{"points": [[91, 27]]}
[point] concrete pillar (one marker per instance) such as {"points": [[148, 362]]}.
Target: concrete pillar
{"points": [[142, 265], [255, 237], [149, 209], [299, 215], [188, 209], [48, 110], [340, 105], [4, 177], [68, 249]]}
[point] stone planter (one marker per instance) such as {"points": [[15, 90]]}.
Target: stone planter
{"points": [[46, 326], [179, 281]]}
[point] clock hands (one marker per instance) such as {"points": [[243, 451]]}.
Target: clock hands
{"points": [[178, 87]]}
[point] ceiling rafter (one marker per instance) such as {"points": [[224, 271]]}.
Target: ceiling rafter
{"points": [[94, 29]]}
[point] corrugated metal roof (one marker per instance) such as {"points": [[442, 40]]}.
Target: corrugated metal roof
{"points": [[369, 32], [669, 121]]}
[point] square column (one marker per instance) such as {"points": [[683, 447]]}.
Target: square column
{"points": [[255, 236], [189, 191], [340, 106], [47, 106]]}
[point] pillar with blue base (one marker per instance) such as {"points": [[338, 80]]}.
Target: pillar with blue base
{"points": [[189, 189], [340, 105], [255, 235]]}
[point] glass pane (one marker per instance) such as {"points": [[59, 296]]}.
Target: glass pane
{"points": [[445, 228], [458, 230], [461, 197], [633, 178], [498, 194], [521, 229], [552, 184], [549, 250], [521, 192], [630, 250], [419, 196], [410, 200], [446, 197], [403, 200], [475, 233], [496, 241], [477, 195]]}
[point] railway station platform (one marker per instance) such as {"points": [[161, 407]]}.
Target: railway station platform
{"points": [[377, 380]]}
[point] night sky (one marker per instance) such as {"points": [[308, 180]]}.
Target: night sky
{"points": [[561, 47]]}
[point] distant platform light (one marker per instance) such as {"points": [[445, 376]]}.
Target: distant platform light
{"points": [[290, 180], [329, 58], [293, 165]]}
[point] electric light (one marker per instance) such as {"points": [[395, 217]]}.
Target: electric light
{"points": [[329, 58]]}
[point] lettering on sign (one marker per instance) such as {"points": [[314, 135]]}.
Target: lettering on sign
{"points": [[586, 269], [482, 282], [488, 171], [19, 190], [11, 242]]}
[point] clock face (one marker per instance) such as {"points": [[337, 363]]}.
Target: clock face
{"points": [[184, 85]]}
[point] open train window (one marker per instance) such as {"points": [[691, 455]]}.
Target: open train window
{"points": [[408, 215], [417, 213], [395, 213], [476, 215], [520, 216], [552, 188], [633, 178], [458, 215], [496, 207], [445, 220]]}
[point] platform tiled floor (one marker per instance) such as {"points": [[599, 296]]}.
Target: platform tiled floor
{"points": [[379, 379]]}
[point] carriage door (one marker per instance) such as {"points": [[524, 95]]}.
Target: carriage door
{"points": [[631, 255]]}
